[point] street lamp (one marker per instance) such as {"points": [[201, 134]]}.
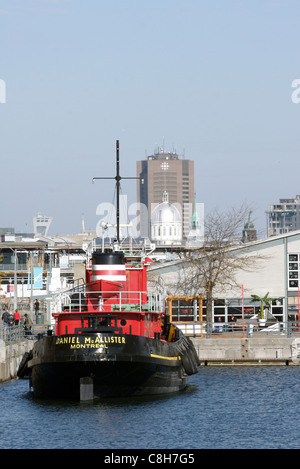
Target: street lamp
{"points": [[15, 251], [15, 278]]}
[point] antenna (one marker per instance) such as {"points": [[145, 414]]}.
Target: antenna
{"points": [[118, 179]]}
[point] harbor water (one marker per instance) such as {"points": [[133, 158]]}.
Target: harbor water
{"points": [[247, 407]]}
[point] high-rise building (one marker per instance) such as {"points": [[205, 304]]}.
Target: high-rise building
{"points": [[284, 216], [165, 173]]}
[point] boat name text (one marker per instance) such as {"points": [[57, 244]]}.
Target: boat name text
{"points": [[89, 342]]}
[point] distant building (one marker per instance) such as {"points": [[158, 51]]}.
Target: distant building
{"points": [[165, 172], [249, 231], [166, 226], [284, 216], [7, 234], [41, 225], [196, 234]]}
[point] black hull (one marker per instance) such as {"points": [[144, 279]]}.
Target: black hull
{"points": [[115, 366], [109, 379]]}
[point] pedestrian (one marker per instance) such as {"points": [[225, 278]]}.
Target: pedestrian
{"points": [[36, 306], [17, 317], [11, 319], [5, 317], [27, 324], [8, 321]]}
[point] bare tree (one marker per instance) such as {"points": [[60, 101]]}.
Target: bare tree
{"points": [[221, 256]]}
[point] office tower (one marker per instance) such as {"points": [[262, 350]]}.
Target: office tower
{"points": [[165, 173]]}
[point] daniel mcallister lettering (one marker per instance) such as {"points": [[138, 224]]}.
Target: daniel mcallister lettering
{"points": [[89, 342]]}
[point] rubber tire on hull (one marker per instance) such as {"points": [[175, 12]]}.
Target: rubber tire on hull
{"points": [[23, 370], [188, 364]]}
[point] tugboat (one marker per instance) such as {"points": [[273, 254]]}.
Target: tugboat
{"points": [[114, 339]]}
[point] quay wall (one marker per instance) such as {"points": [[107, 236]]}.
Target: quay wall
{"points": [[10, 358], [266, 350]]}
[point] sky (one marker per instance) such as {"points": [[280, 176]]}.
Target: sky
{"points": [[214, 80]]}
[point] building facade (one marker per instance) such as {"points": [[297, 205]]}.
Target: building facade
{"points": [[284, 216], [165, 172], [275, 270], [166, 226]]}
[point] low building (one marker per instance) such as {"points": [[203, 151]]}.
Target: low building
{"points": [[276, 270]]}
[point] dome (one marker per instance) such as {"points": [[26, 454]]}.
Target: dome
{"points": [[165, 212], [166, 223]]}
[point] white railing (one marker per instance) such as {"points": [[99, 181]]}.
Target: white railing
{"points": [[229, 329], [119, 300]]}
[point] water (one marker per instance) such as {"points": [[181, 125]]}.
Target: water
{"points": [[223, 407]]}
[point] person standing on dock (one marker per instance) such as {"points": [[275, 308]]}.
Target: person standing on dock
{"points": [[36, 306], [27, 324], [11, 319], [17, 317], [5, 317]]}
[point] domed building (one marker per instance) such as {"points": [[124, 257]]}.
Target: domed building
{"points": [[165, 224]]}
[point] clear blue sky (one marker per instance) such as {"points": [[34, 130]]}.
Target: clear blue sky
{"points": [[209, 78]]}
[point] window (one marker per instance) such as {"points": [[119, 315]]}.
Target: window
{"points": [[293, 271], [182, 311]]}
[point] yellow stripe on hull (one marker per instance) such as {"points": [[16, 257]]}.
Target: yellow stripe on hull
{"points": [[164, 358]]}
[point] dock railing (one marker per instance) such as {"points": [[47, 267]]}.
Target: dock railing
{"points": [[16, 334], [236, 329]]}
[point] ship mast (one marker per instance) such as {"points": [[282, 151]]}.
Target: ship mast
{"points": [[118, 179]]}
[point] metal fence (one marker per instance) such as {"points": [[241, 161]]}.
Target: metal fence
{"points": [[16, 334], [7, 304], [238, 329]]}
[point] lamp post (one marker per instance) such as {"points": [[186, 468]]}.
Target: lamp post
{"points": [[15, 282], [15, 251], [15, 279]]}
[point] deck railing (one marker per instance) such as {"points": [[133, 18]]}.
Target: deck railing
{"points": [[120, 300]]}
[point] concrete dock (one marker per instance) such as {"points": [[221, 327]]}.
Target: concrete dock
{"points": [[10, 358], [262, 350]]}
